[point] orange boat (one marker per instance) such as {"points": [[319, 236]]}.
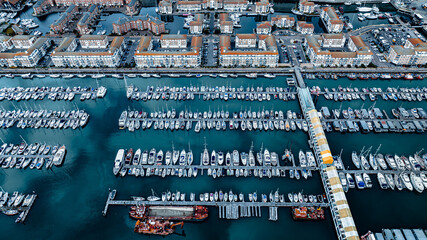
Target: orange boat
{"points": [[308, 213], [177, 213], [156, 227]]}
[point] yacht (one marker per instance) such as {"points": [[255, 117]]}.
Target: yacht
{"points": [[58, 158], [269, 75], [406, 181], [350, 180], [205, 157], [359, 181], [382, 181], [364, 9], [367, 180], [356, 160], [417, 183], [118, 162]]}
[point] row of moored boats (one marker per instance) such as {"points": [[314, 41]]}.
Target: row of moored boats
{"points": [[33, 156], [211, 93], [43, 119], [52, 93], [219, 120]]}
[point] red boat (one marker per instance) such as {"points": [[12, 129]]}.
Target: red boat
{"points": [[308, 213], [156, 227], [129, 155]]}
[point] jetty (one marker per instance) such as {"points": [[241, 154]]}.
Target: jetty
{"points": [[227, 209]]}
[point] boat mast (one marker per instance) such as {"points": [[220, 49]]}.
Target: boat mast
{"points": [[378, 149]]}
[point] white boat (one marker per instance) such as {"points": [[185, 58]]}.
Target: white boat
{"points": [[417, 183], [407, 181], [364, 9], [59, 156], [251, 75], [96, 76], [359, 181], [268, 75], [382, 181]]}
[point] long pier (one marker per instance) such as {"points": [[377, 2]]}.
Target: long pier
{"points": [[227, 209], [342, 218]]}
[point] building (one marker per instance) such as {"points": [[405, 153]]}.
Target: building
{"points": [[225, 23], [88, 18], [29, 57], [263, 28], [214, 4], [414, 52], [89, 51], [333, 40], [173, 40], [305, 28], [235, 5], [93, 41], [331, 20], [42, 6], [132, 8], [124, 25], [283, 21], [165, 7], [246, 40], [22, 41], [320, 55], [249, 55], [188, 6], [306, 7], [262, 7], [148, 54], [86, 3], [5, 43], [60, 25], [196, 26]]}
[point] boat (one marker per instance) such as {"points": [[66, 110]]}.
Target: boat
{"points": [[406, 181], [359, 181], [356, 160], [417, 183], [251, 75], [205, 157], [367, 180], [382, 181], [58, 159], [269, 75], [308, 213], [156, 227], [364, 9]]}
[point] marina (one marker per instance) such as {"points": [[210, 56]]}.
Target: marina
{"points": [[275, 141], [16, 204], [43, 119], [211, 93], [34, 156], [217, 164], [52, 93], [230, 205]]}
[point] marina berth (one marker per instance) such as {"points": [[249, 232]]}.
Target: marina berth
{"points": [[181, 164], [216, 120], [224, 93], [16, 204], [175, 205], [43, 119], [52, 93], [32, 156]]}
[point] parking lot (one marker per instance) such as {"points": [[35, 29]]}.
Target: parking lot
{"points": [[381, 39], [210, 52]]}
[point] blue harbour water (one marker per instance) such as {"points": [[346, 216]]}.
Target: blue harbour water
{"points": [[72, 197]]}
